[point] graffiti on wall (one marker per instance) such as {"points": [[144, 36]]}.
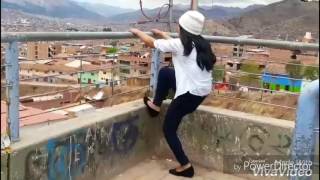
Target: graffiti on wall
{"points": [[227, 136], [76, 154]]}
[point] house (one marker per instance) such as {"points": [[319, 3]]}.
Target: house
{"points": [[134, 65], [99, 75], [48, 72], [41, 50], [29, 116], [281, 82], [75, 63], [106, 76], [69, 48], [258, 54], [276, 78], [89, 77]]}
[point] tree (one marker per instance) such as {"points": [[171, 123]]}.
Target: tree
{"points": [[108, 29], [294, 69], [112, 50], [250, 79], [218, 73], [250, 68], [311, 73]]}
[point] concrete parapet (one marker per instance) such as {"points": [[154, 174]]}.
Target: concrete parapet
{"points": [[95, 146], [104, 143]]}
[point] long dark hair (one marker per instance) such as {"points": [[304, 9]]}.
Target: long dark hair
{"points": [[205, 57]]}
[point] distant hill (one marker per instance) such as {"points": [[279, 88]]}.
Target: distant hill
{"points": [[215, 13], [51, 8], [291, 17], [103, 9]]}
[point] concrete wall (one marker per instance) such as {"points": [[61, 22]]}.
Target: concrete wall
{"points": [[102, 144], [223, 139], [95, 146]]}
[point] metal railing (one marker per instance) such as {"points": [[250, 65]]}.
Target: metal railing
{"points": [[12, 63]]}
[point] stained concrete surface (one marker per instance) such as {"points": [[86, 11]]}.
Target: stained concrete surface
{"points": [[106, 142], [157, 169]]}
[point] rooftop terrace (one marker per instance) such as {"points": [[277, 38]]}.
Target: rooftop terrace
{"points": [[123, 142]]}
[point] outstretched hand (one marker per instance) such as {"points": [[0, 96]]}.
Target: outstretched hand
{"points": [[157, 32], [148, 40], [134, 31], [160, 33]]}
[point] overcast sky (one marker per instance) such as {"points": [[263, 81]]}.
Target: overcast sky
{"points": [[134, 4]]}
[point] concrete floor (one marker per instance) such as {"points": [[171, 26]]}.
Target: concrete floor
{"points": [[158, 170]]}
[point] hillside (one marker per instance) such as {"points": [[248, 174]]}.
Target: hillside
{"points": [[215, 13], [103, 9], [56, 8], [291, 17]]}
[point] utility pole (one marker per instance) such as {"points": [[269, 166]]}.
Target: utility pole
{"points": [[194, 4], [170, 15]]}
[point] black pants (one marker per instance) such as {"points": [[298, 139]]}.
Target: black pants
{"points": [[179, 107]]}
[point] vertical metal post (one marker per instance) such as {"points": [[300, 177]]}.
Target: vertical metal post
{"points": [[80, 89], [12, 79], [170, 15], [155, 66], [306, 130], [194, 5]]}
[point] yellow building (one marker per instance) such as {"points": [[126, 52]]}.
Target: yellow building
{"points": [[37, 50]]}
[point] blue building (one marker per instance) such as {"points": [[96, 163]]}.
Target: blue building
{"points": [[280, 82]]}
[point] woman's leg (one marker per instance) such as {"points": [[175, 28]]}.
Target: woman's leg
{"points": [[166, 81], [179, 107]]}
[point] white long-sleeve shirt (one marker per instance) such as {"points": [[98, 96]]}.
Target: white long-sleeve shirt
{"points": [[189, 76]]}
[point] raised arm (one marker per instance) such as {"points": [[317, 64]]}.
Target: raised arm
{"points": [[161, 34], [148, 40]]}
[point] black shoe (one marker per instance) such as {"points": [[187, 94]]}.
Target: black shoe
{"points": [[152, 112], [189, 172]]}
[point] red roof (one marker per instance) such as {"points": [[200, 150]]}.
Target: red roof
{"points": [[29, 116]]}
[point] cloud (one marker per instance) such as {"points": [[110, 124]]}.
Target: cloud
{"points": [[134, 4]]}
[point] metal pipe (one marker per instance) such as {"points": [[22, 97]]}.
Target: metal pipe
{"points": [[12, 78], [194, 5], [155, 67], [62, 36], [170, 15]]}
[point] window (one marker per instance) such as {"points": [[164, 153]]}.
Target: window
{"points": [[287, 88], [143, 72], [60, 72], [126, 71], [92, 74], [104, 72]]}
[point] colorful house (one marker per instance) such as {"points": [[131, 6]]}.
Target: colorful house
{"points": [[88, 77], [280, 82]]}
